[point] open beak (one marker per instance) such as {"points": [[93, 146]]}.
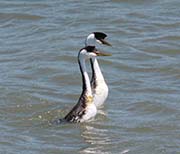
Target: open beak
{"points": [[99, 53], [103, 41]]}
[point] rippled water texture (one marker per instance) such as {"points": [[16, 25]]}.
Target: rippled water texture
{"points": [[40, 78]]}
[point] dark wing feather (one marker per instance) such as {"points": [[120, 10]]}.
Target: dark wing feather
{"points": [[77, 111]]}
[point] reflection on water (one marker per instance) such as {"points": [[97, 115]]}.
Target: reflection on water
{"points": [[96, 138], [99, 140]]}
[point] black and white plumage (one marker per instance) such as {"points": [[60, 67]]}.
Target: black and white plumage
{"points": [[98, 84], [85, 109]]}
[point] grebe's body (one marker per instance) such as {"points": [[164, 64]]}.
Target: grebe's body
{"points": [[85, 109], [98, 84]]}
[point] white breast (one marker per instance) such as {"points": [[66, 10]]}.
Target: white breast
{"points": [[100, 93], [90, 112]]}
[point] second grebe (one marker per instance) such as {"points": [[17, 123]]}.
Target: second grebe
{"points": [[98, 84]]}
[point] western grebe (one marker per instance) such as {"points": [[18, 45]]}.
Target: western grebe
{"points": [[85, 109], [98, 84]]}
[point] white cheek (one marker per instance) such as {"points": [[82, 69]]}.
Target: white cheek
{"points": [[93, 54], [90, 54], [87, 55], [98, 41]]}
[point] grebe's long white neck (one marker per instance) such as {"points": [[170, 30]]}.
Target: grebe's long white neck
{"points": [[86, 86], [96, 71]]}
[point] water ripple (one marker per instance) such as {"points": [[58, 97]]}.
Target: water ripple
{"points": [[40, 79]]}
